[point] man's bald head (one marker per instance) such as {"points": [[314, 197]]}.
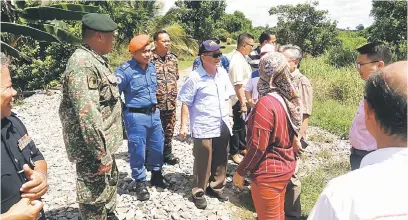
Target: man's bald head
{"points": [[386, 94]]}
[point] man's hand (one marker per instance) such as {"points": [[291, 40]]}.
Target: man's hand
{"points": [[104, 168], [297, 146], [251, 103], [244, 108], [37, 185], [24, 210], [238, 180], [183, 133]]}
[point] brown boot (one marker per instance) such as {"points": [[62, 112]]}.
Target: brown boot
{"points": [[244, 152], [237, 158]]}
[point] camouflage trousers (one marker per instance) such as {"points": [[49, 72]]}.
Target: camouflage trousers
{"points": [[168, 120], [96, 194]]}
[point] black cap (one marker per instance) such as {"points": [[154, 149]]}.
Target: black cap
{"points": [[99, 22]]}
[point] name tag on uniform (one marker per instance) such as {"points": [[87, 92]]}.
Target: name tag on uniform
{"points": [[24, 141]]}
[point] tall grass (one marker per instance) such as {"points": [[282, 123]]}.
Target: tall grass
{"points": [[337, 93]]}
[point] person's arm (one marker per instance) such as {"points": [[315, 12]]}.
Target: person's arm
{"points": [[23, 210], [248, 93], [303, 127], [122, 80], [186, 97], [183, 122], [239, 90], [306, 91], [82, 88]]}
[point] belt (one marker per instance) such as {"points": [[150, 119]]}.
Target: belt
{"points": [[359, 152], [149, 110]]}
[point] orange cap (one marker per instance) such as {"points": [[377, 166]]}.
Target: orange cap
{"points": [[138, 42]]}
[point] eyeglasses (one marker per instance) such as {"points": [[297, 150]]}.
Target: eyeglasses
{"points": [[252, 45], [214, 55], [359, 65]]}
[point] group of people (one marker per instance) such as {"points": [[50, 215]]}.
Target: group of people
{"points": [[253, 109]]}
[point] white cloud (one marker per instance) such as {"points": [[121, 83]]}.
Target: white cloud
{"points": [[348, 13]]}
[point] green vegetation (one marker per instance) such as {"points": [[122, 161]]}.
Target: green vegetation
{"points": [[337, 93], [315, 181]]}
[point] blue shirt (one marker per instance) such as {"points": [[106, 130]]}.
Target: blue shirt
{"points": [[224, 63], [207, 98], [138, 85]]}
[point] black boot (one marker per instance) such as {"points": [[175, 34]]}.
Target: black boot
{"points": [[171, 159], [158, 180], [220, 196], [112, 216], [140, 188]]}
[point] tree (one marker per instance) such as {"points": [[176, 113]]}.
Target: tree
{"points": [[359, 27], [236, 22], [390, 25], [198, 18], [306, 27]]}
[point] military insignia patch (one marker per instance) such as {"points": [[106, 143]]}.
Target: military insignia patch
{"points": [[92, 82], [24, 141], [119, 79]]}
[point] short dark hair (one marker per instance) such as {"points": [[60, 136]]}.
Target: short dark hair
{"points": [[242, 38], [376, 52], [266, 35], [388, 103], [157, 33]]}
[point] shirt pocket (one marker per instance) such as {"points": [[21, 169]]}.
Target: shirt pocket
{"points": [[138, 83]]}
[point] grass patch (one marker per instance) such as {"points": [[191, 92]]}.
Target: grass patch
{"points": [[228, 48], [314, 183], [320, 137], [245, 209], [333, 116], [337, 93], [186, 62]]}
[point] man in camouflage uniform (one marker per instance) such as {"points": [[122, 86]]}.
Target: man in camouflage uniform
{"points": [[166, 64], [90, 114]]}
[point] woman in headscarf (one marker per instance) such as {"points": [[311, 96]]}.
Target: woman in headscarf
{"points": [[272, 131]]}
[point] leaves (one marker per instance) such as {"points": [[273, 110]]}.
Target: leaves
{"points": [[36, 34], [305, 26], [51, 13]]}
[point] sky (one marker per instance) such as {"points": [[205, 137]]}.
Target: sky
{"points": [[347, 13]]}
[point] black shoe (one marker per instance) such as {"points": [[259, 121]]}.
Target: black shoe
{"points": [[158, 180], [171, 159], [220, 196], [199, 200], [141, 190], [112, 216]]}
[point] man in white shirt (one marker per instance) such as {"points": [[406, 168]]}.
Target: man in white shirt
{"points": [[239, 71], [378, 190]]}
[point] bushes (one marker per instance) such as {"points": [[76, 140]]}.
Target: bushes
{"points": [[340, 56], [337, 93]]}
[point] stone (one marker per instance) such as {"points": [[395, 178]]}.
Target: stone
{"points": [[186, 215]]}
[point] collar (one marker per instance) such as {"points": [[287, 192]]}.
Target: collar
{"points": [[100, 58], [381, 155], [295, 73], [134, 63], [200, 69]]}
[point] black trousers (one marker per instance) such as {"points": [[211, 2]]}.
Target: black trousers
{"points": [[237, 140]]}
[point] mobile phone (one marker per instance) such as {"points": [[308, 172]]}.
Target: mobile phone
{"points": [[304, 143]]}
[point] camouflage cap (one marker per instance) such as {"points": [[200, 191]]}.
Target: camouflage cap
{"points": [[99, 22]]}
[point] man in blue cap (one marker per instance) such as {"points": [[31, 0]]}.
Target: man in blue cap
{"points": [[205, 95], [224, 60], [137, 79]]}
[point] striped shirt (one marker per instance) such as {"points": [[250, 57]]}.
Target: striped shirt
{"points": [[270, 155]]}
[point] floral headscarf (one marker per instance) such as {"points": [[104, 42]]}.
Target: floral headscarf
{"points": [[274, 77]]}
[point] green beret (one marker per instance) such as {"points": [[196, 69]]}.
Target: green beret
{"points": [[99, 22]]}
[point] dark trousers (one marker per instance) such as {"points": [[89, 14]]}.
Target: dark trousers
{"points": [[168, 120], [237, 141], [356, 156], [210, 162]]}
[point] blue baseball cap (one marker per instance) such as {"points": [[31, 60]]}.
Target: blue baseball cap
{"points": [[209, 46]]}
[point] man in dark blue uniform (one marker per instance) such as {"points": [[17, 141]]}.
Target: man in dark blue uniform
{"points": [[23, 168], [137, 80]]}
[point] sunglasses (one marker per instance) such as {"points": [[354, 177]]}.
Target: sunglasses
{"points": [[215, 55]]}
